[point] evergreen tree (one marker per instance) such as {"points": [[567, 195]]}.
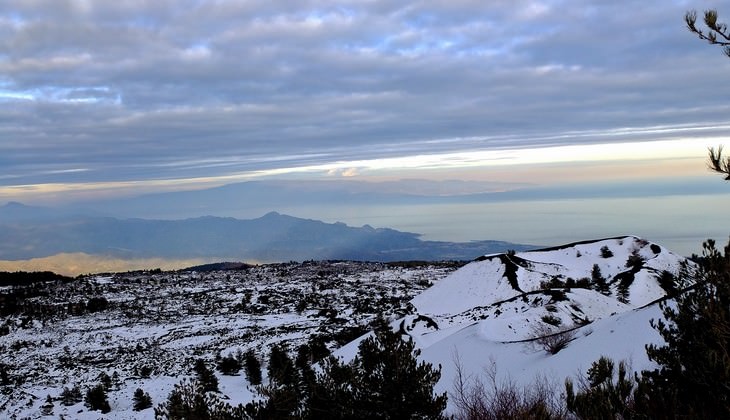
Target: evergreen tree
{"points": [[599, 281], [281, 368], [105, 380], [4, 375], [694, 373], [385, 380], [228, 365], [96, 399], [206, 378], [186, 401], [71, 396], [606, 252], [142, 400], [717, 34], [252, 367], [601, 398], [47, 407]]}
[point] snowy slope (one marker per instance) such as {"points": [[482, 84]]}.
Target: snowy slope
{"points": [[491, 311], [483, 313]]}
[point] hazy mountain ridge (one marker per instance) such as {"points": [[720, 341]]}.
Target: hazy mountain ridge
{"points": [[271, 238], [490, 311]]}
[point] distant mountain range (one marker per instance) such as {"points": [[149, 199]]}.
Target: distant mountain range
{"points": [[34, 232]]}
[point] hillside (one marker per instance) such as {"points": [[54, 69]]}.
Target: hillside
{"points": [[491, 312], [488, 313], [273, 237]]}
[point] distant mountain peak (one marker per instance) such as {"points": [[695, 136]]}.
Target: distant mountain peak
{"points": [[14, 204]]}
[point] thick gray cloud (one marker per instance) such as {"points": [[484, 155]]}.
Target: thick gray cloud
{"points": [[133, 90]]}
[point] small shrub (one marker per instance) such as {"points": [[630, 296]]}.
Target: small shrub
{"points": [[4, 375], [97, 304], [553, 283], [145, 371], [494, 400], [606, 252], [551, 319], [47, 407], [550, 339]]}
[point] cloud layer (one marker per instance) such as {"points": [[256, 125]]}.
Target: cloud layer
{"points": [[102, 91]]}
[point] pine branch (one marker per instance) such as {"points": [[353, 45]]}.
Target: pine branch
{"points": [[716, 29], [718, 163]]}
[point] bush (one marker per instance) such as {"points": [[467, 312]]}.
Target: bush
{"points": [[97, 304], [475, 400], [4, 375], [606, 252], [550, 339], [551, 319]]}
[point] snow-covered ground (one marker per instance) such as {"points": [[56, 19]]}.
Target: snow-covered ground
{"points": [[164, 321], [489, 314]]}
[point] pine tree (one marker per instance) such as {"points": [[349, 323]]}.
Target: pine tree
{"points": [[228, 365], [385, 380], [47, 407], [4, 375], [599, 281], [186, 401], [206, 378], [71, 396], [281, 368], [105, 380], [694, 373], [96, 399], [252, 368], [601, 398], [142, 400]]}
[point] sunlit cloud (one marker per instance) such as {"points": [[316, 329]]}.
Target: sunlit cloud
{"points": [[418, 166]]}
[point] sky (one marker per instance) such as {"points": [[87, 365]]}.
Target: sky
{"points": [[114, 98]]}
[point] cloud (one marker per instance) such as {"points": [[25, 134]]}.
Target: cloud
{"points": [[138, 91]]}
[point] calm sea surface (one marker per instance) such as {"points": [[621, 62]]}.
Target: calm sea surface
{"points": [[679, 223]]}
